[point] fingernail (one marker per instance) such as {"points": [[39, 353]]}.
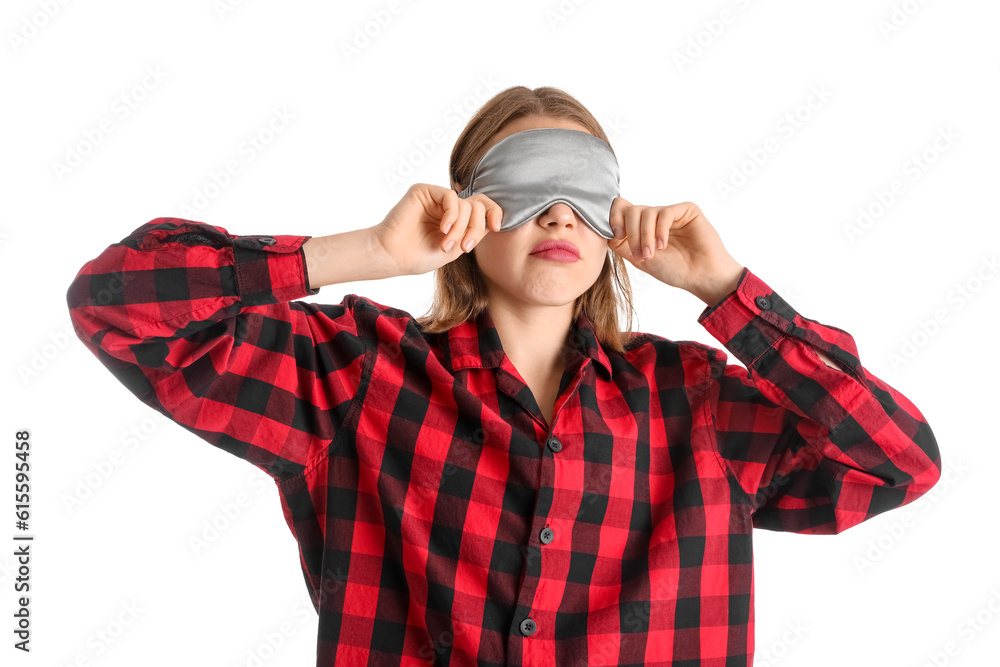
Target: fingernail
{"points": [[646, 252], [659, 244], [618, 232], [468, 245], [448, 246]]}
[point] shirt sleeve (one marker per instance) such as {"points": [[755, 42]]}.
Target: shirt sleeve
{"points": [[200, 325], [814, 449]]}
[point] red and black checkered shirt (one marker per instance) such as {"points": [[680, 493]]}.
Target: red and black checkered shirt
{"points": [[440, 519]]}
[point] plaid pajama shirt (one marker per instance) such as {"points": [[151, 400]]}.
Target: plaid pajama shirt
{"points": [[440, 519]]}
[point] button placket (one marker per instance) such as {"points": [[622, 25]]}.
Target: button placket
{"points": [[545, 536]]}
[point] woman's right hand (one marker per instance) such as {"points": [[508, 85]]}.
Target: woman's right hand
{"points": [[430, 226]]}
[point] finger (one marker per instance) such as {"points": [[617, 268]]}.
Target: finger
{"points": [[617, 216], [494, 214], [449, 201], [494, 218], [647, 232], [477, 226], [681, 214], [457, 230], [632, 227], [664, 222]]}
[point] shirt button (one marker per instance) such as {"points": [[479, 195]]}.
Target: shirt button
{"points": [[546, 535], [763, 303], [267, 240], [528, 627], [554, 444]]}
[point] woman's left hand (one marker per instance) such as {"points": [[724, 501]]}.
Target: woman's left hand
{"points": [[684, 249]]}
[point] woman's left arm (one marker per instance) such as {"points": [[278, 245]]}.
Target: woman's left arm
{"points": [[815, 441], [816, 447]]}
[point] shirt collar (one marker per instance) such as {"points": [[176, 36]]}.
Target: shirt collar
{"points": [[475, 343]]}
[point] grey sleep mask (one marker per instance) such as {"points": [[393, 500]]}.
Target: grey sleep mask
{"points": [[527, 172]]}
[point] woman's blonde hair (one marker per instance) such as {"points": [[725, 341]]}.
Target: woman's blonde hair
{"points": [[459, 293]]}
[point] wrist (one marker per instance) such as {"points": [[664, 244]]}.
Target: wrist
{"points": [[382, 263], [720, 285], [346, 257]]}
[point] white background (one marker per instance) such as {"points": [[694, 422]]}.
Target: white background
{"points": [[687, 92]]}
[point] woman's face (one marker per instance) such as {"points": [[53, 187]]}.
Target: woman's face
{"points": [[505, 260]]}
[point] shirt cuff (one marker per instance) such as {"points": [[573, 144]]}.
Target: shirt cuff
{"points": [[271, 269], [732, 321]]}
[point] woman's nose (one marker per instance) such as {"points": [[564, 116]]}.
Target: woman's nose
{"points": [[559, 212]]}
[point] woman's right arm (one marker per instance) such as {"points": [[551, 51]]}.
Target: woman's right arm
{"points": [[201, 325]]}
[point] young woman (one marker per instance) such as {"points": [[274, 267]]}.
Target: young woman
{"points": [[511, 479]]}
